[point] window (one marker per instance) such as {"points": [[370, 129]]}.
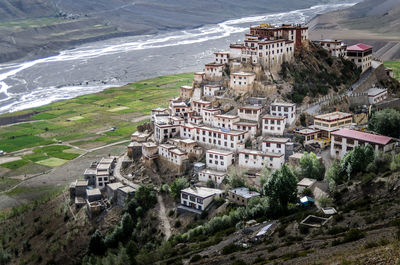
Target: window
{"points": [[184, 196]]}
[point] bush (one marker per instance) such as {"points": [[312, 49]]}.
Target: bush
{"points": [[178, 185], [195, 258], [353, 234], [171, 213], [304, 229], [307, 192], [177, 224], [231, 248], [337, 230], [4, 257], [96, 244]]}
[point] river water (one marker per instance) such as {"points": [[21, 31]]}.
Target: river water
{"points": [[96, 66]]}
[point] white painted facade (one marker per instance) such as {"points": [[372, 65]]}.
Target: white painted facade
{"points": [[186, 92], [208, 115], [224, 121], [275, 145], [214, 71], [199, 105], [219, 160], [253, 159], [273, 125], [210, 90], [218, 138], [199, 197], [250, 126], [284, 109], [199, 77], [221, 57], [172, 154], [213, 175], [241, 82], [251, 113]]}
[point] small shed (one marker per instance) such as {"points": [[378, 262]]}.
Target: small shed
{"points": [[305, 183], [197, 167], [134, 150], [80, 188], [306, 201], [123, 193], [112, 190], [93, 195]]}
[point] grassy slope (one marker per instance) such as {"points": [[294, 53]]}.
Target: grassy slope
{"points": [[395, 65], [85, 121]]}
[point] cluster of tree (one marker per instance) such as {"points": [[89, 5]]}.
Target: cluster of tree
{"points": [[362, 159], [311, 167], [121, 244], [386, 122], [178, 185]]}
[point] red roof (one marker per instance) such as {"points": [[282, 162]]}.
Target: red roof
{"points": [[362, 136], [359, 47]]}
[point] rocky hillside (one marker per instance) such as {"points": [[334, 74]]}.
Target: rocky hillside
{"points": [[315, 73], [372, 22]]}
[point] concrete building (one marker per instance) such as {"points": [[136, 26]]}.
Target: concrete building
{"points": [[198, 166], [212, 90], [284, 109], [251, 113], [166, 128], [172, 154], [134, 150], [158, 111], [93, 195], [199, 105], [241, 82], [311, 136], [199, 198], [221, 57], [111, 189], [335, 47], [273, 125], [242, 195], [186, 92], [296, 33], [226, 139], [344, 140], [275, 145], [376, 95], [149, 149], [219, 159], [361, 55], [187, 131], [208, 174], [245, 125], [123, 193], [305, 183], [329, 122], [254, 159], [208, 115], [189, 146], [178, 108], [225, 121], [90, 175], [139, 137], [214, 71], [199, 77]]}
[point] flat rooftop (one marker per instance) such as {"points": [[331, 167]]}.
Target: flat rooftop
{"points": [[223, 130], [333, 116], [269, 116], [213, 172], [243, 73], [93, 192], [220, 152], [276, 139], [202, 192], [307, 131], [149, 145], [260, 153], [115, 186], [252, 107], [226, 116], [283, 104], [245, 192], [306, 182], [81, 183], [127, 189], [366, 137]]}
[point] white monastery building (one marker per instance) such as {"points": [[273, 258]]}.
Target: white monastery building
{"points": [[284, 109], [219, 159]]}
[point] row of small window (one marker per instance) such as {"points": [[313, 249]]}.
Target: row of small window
{"points": [[216, 162], [285, 109], [272, 128], [172, 130], [215, 142], [192, 198], [269, 145], [278, 122], [239, 83], [247, 156], [192, 205], [240, 77]]}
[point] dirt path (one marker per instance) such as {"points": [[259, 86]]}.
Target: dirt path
{"points": [[141, 118], [166, 226]]}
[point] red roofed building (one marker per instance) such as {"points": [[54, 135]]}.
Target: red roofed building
{"points": [[361, 55], [344, 140]]}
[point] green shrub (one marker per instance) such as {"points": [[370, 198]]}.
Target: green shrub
{"points": [[337, 230], [231, 248], [353, 234], [195, 258]]}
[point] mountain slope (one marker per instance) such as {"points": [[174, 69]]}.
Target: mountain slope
{"points": [[373, 22]]}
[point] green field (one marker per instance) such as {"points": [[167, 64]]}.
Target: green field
{"points": [[395, 65], [85, 121]]}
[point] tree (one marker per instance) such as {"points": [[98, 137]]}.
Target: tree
{"points": [[395, 164], [146, 197], [311, 166], [178, 185], [356, 160], [334, 175], [210, 183], [96, 244], [281, 187], [386, 122], [265, 174], [236, 178], [127, 224]]}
